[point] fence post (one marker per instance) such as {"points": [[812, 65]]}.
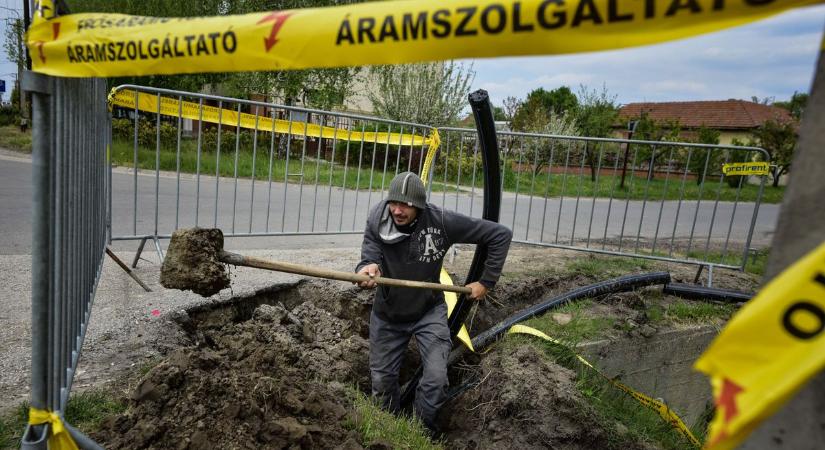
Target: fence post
{"points": [[40, 87]]}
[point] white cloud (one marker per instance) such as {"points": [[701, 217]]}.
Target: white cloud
{"points": [[771, 58]]}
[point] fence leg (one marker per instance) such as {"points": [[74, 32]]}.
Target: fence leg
{"points": [[139, 251], [698, 274], [126, 269], [157, 247], [710, 275], [35, 437], [82, 441]]}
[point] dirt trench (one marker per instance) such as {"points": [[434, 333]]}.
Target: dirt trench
{"points": [[273, 370]]}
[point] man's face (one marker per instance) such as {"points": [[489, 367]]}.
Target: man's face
{"points": [[402, 213]]}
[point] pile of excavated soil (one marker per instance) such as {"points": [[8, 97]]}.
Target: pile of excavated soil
{"points": [[271, 370], [525, 401], [275, 381]]}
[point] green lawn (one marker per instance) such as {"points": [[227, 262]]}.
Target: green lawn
{"points": [[85, 411], [11, 138], [123, 155], [570, 185], [635, 188]]}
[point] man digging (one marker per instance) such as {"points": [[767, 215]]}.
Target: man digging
{"points": [[407, 238]]}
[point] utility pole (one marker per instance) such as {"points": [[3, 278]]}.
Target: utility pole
{"points": [[26, 19], [800, 424]]}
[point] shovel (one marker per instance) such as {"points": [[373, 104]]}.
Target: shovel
{"points": [[195, 261]]}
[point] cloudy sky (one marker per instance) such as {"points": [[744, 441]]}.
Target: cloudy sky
{"points": [[771, 58]]}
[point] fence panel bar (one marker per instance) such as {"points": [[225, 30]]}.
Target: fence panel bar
{"points": [[595, 193], [254, 160], [662, 201], [218, 164], [70, 211], [198, 161]]}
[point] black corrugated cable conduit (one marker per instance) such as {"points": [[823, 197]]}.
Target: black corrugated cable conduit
{"points": [[488, 144], [694, 292], [621, 284]]}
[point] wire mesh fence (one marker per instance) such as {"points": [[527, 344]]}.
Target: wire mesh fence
{"points": [[660, 200], [250, 168], [262, 169]]}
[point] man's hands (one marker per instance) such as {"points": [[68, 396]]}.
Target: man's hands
{"points": [[373, 271], [479, 290]]}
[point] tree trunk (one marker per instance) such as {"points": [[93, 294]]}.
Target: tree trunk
{"points": [[591, 161]]}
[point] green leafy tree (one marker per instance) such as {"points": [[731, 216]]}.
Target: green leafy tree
{"points": [[706, 158], [557, 102], [595, 115], [796, 105], [779, 139], [499, 114], [537, 120], [648, 129], [15, 51], [319, 88], [432, 93], [511, 105], [13, 44]]}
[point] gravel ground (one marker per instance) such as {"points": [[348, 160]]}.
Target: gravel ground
{"points": [[124, 333]]}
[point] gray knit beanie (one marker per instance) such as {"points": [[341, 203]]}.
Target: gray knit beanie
{"points": [[406, 187]]}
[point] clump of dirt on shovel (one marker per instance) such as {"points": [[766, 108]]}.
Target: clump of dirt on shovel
{"points": [[192, 263]]}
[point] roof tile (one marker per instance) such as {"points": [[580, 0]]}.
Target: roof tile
{"points": [[718, 114]]}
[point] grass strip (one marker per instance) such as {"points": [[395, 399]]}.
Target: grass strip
{"points": [[377, 425], [11, 138], [314, 171], [85, 411], [613, 405]]}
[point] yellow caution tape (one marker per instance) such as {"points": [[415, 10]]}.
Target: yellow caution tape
{"points": [[452, 299], [746, 168], [768, 351], [661, 408], [59, 438], [190, 110], [435, 142], [391, 32]]}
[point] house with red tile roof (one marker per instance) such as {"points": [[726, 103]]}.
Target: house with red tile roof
{"points": [[734, 119]]}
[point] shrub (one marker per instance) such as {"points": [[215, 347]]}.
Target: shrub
{"points": [[9, 115]]}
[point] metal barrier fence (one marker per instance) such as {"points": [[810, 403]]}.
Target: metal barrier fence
{"points": [[71, 130], [201, 163], [318, 172], [659, 200]]}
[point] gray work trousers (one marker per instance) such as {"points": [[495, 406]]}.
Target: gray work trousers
{"points": [[388, 342]]}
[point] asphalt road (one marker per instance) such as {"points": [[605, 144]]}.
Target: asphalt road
{"points": [[244, 208]]}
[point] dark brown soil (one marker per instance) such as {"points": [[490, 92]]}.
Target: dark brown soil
{"points": [[274, 381], [272, 370], [525, 401], [191, 262]]}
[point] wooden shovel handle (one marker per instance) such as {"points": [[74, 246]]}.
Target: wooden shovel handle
{"points": [[279, 266]]}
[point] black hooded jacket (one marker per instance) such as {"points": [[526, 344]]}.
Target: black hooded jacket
{"points": [[418, 255]]}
